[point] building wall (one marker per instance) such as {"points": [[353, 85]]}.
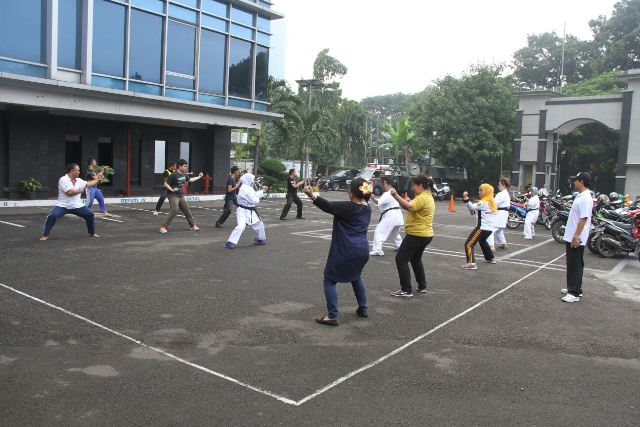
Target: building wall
{"points": [[36, 148]]}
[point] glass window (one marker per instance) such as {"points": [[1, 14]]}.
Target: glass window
{"points": [[145, 46], [182, 13], [144, 88], [261, 107], [181, 44], [214, 23], [108, 38], [212, 59], [191, 3], [182, 94], [21, 68], [263, 38], [240, 31], [215, 7], [240, 103], [240, 68], [211, 99], [241, 16], [69, 33], [154, 5], [262, 73], [264, 24], [107, 82], [180, 82], [22, 30]]}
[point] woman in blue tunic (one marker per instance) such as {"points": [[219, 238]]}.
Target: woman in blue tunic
{"points": [[349, 247]]}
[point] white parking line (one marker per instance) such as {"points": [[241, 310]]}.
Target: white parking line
{"points": [[13, 224], [521, 251]]}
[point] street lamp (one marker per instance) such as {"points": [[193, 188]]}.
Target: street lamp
{"points": [[310, 84]]}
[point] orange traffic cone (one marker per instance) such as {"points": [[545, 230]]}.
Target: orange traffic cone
{"points": [[452, 206]]}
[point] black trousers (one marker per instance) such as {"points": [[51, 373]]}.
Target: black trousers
{"points": [[411, 250], [478, 236], [575, 268], [161, 200], [291, 198], [226, 211]]}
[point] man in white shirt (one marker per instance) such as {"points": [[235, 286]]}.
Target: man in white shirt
{"points": [[576, 235], [70, 187], [391, 220]]}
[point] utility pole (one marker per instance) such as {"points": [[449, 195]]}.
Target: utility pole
{"points": [[564, 41]]}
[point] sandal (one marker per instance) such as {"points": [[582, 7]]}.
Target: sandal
{"points": [[328, 321]]}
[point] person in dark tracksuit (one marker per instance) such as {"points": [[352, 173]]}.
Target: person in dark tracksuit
{"points": [[165, 175], [485, 209], [292, 196], [230, 196]]}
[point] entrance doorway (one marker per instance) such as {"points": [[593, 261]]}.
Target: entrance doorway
{"points": [[105, 155], [72, 149]]}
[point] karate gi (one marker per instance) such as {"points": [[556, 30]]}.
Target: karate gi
{"points": [[246, 214], [391, 220], [533, 206], [503, 201]]}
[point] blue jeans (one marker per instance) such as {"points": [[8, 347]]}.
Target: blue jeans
{"points": [[331, 295], [58, 212], [95, 193]]}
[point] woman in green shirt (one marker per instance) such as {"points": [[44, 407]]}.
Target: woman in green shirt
{"points": [[419, 233]]}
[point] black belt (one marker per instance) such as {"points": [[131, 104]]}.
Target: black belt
{"points": [[390, 209], [250, 208], [529, 210], [503, 209]]}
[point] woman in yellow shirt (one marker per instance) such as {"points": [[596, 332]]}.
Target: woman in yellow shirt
{"points": [[419, 233]]}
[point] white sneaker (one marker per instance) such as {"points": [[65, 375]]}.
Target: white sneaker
{"points": [[156, 213], [566, 291], [376, 253], [570, 298], [470, 266], [528, 238]]}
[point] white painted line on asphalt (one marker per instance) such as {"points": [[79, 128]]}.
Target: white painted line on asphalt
{"points": [[521, 251], [108, 219], [418, 338], [156, 349], [619, 266], [11, 223]]}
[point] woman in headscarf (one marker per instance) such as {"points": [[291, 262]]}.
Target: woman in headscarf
{"points": [[349, 250], [533, 211], [247, 214], [485, 209]]}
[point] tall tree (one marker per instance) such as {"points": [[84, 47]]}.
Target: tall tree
{"points": [[468, 122], [402, 138], [618, 37]]}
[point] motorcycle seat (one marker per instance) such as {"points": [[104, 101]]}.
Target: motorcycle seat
{"points": [[624, 226]]}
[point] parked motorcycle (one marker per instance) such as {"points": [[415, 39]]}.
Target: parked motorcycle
{"points": [[617, 238]]}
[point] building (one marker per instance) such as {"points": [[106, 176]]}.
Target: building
{"points": [[133, 83], [543, 115]]}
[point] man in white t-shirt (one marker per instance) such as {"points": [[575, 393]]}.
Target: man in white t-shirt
{"points": [[70, 187], [576, 235], [391, 220]]}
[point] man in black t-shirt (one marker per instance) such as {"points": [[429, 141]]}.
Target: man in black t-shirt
{"points": [[230, 195], [175, 192], [292, 196], [165, 175]]}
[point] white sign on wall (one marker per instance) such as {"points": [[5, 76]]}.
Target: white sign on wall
{"points": [[184, 151], [160, 159]]}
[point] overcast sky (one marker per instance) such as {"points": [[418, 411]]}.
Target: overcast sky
{"points": [[402, 45]]}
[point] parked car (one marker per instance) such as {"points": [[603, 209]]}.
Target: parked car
{"points": [[338, 180], [374, 176]]}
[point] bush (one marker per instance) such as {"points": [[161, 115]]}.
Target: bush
{"points": [[31, 185], [272, 168]]}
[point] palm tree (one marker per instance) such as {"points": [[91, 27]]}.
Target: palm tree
{"points": [[401, 138]]}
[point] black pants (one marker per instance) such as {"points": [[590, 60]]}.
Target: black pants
{"points": [[411, 250], [290, 199], [161, 200], [478, 236], [575, 268], [226, 211]]}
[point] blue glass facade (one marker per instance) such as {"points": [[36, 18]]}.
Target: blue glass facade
{"points": [[209, 51]]}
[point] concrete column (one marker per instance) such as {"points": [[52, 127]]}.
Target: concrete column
{"points": [[623, 147], [87, 41], [542, 150], [517, 145], [52, 39], [221, 156]]}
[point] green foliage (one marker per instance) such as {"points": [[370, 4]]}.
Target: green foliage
{"points": [[617, 38], [467, 122], [31, 185], [402, 138], [272, 167], [608, 83], [327, 68], [393, 106]]}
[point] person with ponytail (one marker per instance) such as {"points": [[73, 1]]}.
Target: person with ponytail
{"points": [[486, 209], [349, 251]]}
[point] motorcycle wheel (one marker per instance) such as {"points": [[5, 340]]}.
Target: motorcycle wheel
{"points": [[335, 186], [604, 249], [547, 223], [557, 231], [513, 221], [591, 243]]}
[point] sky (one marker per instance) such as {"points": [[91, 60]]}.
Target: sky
{"points": [[394, 46]]}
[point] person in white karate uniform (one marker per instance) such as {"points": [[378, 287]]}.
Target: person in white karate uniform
{"points": [[391, 220], [247, 214], [503, 201], [533, 210]]}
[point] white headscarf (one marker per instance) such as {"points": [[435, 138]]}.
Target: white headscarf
{"points": [[247, 179]]}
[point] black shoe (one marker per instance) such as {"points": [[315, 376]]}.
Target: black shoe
{"points": [[218, 225], [328, 321], [422, 290], [283, 218], [362, 312], [299, 217]]}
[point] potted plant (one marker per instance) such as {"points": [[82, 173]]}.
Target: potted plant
{"points": [[30, 187]]}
